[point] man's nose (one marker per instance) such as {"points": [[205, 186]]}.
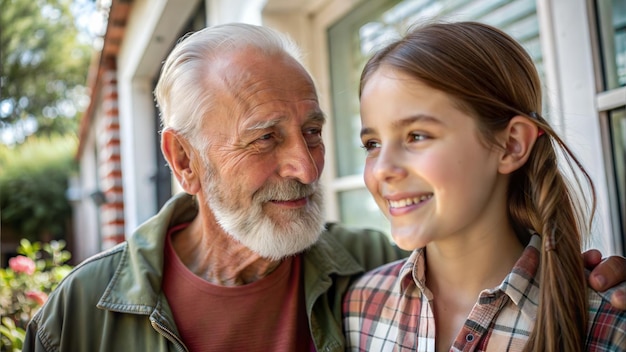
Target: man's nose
{"points": [[297, 162]]}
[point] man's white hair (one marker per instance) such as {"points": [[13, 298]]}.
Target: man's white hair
{"points": [[181, 94]]}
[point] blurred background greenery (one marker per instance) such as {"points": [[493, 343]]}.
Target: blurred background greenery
{"points": [[45, 51]]}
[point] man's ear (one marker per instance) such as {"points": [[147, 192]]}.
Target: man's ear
{"points": [[519, 138], [180, 156]]}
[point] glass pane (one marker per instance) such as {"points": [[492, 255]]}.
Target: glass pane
{"points": [[612, 22], [354, 38], [358, 209]]}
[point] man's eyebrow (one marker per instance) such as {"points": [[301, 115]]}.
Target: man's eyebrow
{"points": [[317, 116], [407, 122], [260, 125]]}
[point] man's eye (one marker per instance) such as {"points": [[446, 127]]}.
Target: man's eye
{"points": [[264, 141], [313, 132], [313, 136]]}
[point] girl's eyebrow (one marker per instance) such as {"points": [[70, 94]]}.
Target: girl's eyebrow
{"points": [[407, 122]]}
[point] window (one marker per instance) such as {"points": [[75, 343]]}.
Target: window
{"points": [[612, 32], [356, 36], [617, 128], [611, 101]]}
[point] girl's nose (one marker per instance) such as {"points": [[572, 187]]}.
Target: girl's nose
{"points": [[388, 165]]}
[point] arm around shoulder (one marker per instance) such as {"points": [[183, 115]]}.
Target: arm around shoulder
{"points": [[607, 273]]}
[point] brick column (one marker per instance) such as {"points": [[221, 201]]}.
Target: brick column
{"points": [[110, 167]]}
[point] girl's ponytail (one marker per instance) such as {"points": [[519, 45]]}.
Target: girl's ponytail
{"points": [[549, 207]]}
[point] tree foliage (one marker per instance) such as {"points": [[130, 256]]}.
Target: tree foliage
{"points": [[33, 184], [44, 68]]}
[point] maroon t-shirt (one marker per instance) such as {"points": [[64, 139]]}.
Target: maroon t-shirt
{"points": [[266, 315]]}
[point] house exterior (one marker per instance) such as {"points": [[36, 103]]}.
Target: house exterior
{"points": [[579, 47]]}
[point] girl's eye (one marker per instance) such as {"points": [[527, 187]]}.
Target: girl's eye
{"points": [[417, 137], [370, 145]]}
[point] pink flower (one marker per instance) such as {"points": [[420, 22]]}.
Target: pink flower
{"points": [[37, 296], [22, 264]]}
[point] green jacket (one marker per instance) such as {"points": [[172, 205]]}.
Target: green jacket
{"points": [[113, 300]]}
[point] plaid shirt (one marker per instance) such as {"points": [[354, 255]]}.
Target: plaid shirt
{"points": [[389, 309]]}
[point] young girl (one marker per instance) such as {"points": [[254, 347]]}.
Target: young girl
{"points": [[464, 166]]}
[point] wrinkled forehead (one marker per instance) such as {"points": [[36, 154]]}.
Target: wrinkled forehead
{"points": [[250, 71], [250, 87]]}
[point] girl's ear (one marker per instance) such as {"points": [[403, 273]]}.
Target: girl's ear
{"points": [[180, 156], [519, 138]]}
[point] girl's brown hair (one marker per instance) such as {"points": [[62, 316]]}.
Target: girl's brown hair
{"points": [[492, 78]]}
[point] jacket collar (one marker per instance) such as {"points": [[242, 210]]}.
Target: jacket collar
{"points": [[136, 283], [325, 260], [332, 258]]}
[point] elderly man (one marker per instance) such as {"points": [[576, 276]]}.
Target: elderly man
{"points": [[242, 260]]}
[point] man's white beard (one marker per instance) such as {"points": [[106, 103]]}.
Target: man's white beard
{"points": [[294, 231]]}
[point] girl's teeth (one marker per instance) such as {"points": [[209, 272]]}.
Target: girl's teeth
{"points": [[408, 201]]}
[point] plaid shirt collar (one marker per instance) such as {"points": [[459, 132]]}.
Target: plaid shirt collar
{"points": [[520, 284]]}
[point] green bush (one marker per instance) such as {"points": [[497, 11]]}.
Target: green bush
{"points": [[25, 285], [33, 183]]}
